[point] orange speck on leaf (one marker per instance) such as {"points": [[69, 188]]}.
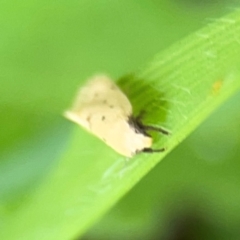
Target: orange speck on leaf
{"points": [[216, 87]]}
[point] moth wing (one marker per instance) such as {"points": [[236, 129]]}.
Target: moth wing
{"points": [[98, 98], [77, 118]]}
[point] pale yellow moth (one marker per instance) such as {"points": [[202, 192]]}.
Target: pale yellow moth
{"points": [[104, 110]]}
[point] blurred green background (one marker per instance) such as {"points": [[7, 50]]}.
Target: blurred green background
{"points": [[47, 48]]}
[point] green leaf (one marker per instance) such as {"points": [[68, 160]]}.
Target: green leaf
{"points": [[177, 90]]}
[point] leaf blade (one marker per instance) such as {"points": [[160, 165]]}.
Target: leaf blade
{"points": [[88, 186]]}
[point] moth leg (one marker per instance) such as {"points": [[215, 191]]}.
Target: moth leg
{"points": [[157, 129], [145, 128], [150, 150]]}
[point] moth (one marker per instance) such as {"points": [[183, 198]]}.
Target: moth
{"points": [[104, 110]]}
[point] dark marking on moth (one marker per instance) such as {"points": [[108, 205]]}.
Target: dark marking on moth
{"points": [[89, 118], [89, 121], [103, 118], [113, 87], [106, 102]]}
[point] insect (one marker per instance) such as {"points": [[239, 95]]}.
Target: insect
{"points": [[104, 110]]}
